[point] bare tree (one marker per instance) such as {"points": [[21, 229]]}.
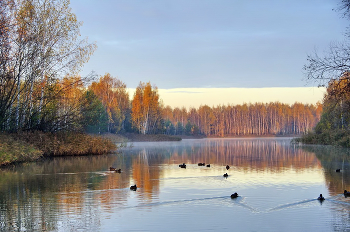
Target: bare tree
{"points": [[335, 64], [42, 45]]}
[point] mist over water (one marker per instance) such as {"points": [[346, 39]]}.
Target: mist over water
{"points": [[278, 184]]}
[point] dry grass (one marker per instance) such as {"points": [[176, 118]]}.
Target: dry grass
{"points": [[12, 150], [29, 146], [58, 144]]}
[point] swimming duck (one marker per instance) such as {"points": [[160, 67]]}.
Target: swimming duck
{"points": [[133, 187], [111, 169], [226, 175], [118, 170], [208, 165], [346, 193], [337, 170], [235, 195], [201, 164], [320, 198], [227, 167], [182, 165]]}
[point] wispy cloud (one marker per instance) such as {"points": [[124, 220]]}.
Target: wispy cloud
{"points": [[190, 92]]}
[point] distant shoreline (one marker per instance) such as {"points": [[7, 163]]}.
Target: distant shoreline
{"points": [[133, 137]]}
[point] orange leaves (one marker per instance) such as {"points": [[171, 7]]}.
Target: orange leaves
{"points": [[113, 95], [146, 110], [39, 44], [72, 88], [111, 91]]}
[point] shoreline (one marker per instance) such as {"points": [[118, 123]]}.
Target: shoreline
{"points": [[133, 137]]}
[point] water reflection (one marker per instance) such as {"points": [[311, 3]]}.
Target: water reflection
{"points": [[261, 154], [333, 158], [79, 193]]}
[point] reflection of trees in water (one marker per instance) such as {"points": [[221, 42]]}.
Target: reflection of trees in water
{"points": [[333, 158], [242, 153], [254, 154], [32, 194], [146, 173]]}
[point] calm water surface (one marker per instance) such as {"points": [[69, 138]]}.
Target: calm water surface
{"points": [[278, 184]]}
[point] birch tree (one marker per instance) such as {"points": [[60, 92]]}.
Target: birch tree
{"points": [[113, 95], [146, 111], [42, 45]]}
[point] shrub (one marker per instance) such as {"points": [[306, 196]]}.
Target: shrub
{"points": [[68, 143], [327, 137]]}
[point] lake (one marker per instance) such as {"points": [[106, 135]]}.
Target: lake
{"points": [[277, 182]]}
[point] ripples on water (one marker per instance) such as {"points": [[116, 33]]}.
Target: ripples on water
{"points": [[278, 184]]}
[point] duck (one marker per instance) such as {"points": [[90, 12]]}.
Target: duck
{"points": [[320, 198], [346, 193], [227, 167], [111, 169], [201, 164], [235, 195], [226, 175], [118, 170], [182, 165], [208, 165], [337, 170], [133, 187]]}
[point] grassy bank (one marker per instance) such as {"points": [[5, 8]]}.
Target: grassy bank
{"points": [[12, 150], [28, 146], [329, 137]]}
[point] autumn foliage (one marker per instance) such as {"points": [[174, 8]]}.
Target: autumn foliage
{"points": [[334, 125], [146, 109], [114, 97], [39, 46]]}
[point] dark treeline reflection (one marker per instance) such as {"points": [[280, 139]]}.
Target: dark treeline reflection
{"points": [[57, 193], [333, 158]]}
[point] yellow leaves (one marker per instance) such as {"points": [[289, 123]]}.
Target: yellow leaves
{"points": [[112, 93], [72, 89], [146, 110], [104, 90]]}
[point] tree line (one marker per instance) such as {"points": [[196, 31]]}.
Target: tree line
{"points": [[243, 120], [105, 106]]}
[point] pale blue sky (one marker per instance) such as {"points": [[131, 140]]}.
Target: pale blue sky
{"points": [[207, 43]]}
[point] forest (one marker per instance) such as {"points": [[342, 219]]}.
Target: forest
{"points": [[105, 107]]}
